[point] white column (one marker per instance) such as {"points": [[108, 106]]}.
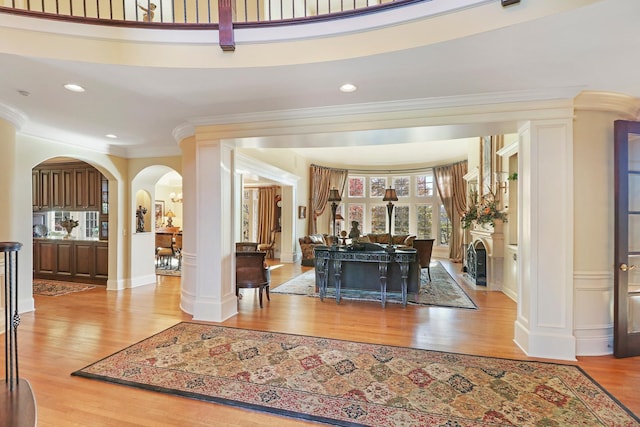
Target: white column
{"points": [[544, 325], [595, 113], [15, 226], [208, 282]]}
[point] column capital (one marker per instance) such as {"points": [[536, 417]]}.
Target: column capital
{"points": [[627, 106]]}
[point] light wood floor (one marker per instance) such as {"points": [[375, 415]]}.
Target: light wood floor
{"points": [[69, 332]]}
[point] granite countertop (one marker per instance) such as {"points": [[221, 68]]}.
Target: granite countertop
{"points": [[73, 239]]}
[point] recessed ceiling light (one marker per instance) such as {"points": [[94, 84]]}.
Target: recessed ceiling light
{"points": [[112, 136], [348, 87], [74, 87]]}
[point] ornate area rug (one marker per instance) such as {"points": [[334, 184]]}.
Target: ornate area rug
{"points": [[55, 288], [172, 268], [353, 384], [168, 272], [442, 290]]}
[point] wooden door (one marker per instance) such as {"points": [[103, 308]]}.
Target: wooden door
{"points": [[627, 239]]}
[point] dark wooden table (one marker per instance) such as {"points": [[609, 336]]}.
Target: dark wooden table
{"points": [[359, 269]]}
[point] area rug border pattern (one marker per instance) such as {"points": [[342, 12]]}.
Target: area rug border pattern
{"points": [[69, 287], [302, 416]]}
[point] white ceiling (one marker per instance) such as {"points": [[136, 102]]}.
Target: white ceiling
{"points": [[592, 48]]}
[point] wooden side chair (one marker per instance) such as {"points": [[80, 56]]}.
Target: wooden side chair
{"points": [[269, 247], [252, 272], [164, 249], [424, 248], [177, 248], [246, 246]]}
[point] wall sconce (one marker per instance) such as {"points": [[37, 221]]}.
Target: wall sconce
{"points": [[501, 181], [334, 198], [176, 198], [170, 215], [390, 196]]}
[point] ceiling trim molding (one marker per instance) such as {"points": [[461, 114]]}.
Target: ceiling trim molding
{"points": [[183, 131], [484, 99], [13, 116], [248, 165], [619, 103], [294, 127]]}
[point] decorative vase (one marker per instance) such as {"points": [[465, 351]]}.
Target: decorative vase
{"points": [[69, 229]]}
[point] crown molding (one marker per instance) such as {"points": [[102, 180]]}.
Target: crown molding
{"points": [[13, 116], [246, 164], [509, 150], [626, 105], [436, 103], [183, 131]]}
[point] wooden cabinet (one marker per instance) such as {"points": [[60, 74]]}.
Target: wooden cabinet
{"points": [[62, 188], [41, 189], [66, 186], [87, 188], [71, 260]]}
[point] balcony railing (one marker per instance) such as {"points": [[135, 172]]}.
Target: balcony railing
{"points": [[195, 11], [221, 14]]}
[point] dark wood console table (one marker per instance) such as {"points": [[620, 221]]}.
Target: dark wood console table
{"points": [[360, 269]]}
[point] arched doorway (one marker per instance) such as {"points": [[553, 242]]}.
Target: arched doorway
{"points": [[70, 222]]}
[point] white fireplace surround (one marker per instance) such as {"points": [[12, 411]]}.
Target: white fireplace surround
{"points": [[493, 240]]}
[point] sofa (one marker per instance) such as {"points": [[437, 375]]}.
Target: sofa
{"points": [[308, 243], [383, 238]]}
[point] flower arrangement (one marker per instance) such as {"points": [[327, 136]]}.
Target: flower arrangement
{"points": [[484, 212], [69, 224]]}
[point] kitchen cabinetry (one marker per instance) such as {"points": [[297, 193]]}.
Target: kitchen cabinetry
{"points": [[62, 187], [87, 189], [84, 261], [41, 189], [73, 186]]}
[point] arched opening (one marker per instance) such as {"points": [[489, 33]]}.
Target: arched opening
{"points": [[155, 191], [70, 222]]}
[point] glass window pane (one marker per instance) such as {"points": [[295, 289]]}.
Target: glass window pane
{"points": [[445, 227], [424, 185], [401, 184], [356, 186], [356, 213], [91, 224], [378, 219], [634, 152], [425, 221], [634, 192], [377, 187], [634, 233], [634, 314], [401, 220]]}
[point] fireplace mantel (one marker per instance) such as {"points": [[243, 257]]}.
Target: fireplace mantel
{"points": [[492, 239]]}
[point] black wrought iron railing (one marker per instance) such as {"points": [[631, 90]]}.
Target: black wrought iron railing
{"points": [[194, 11]]}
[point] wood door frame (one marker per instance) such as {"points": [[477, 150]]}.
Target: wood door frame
{"points": [[624, 344]]}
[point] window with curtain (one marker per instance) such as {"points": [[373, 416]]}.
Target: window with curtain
{"points": [[413, 212]]}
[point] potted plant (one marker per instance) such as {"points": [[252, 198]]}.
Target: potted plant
{"points": [[483, 213], [69, 224]]}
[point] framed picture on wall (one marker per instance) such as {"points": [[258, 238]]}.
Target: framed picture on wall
{"points": [[486, 165], [158, 213], [302, 212]]}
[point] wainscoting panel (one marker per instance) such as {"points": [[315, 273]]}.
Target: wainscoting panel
{"points": [[593, 317]]}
